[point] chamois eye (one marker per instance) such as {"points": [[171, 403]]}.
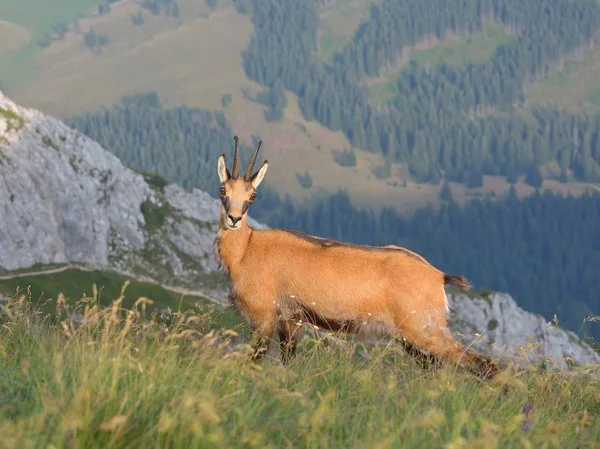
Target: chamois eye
{"points": [[253, 197], [222, 192]]}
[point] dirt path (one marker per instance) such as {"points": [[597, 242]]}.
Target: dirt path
{"points": [[6, 277], [144, 279]]}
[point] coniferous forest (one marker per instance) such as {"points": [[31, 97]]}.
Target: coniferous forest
{"points": [[443, 121]]}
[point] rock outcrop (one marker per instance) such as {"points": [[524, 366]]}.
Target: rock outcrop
{"points": [[64, 199], [495, 324]]}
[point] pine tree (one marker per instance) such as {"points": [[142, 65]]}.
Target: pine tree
{"points": [[533, 177], [446, 192]]}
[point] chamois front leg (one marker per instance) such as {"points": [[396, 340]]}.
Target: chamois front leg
{"points": [[262, 320], [260, 315], [261, 338]]}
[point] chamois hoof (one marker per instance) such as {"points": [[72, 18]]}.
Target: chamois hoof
{"points": [[487, 370]]}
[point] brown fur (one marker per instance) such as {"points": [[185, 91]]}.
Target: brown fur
{"points": [[282, 279], [458, 281], [326, 243]]}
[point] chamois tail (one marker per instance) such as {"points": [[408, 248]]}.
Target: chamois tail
{"points": [[458, 281]]}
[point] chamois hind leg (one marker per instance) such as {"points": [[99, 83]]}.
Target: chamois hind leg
{"points": [[289, 336], [428, 362], [439, 342]]}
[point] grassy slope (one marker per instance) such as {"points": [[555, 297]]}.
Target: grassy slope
{"points": [[33, 19], [76, 284], [184, 77], [39, 17], [455, 51], [339, 21], [118, 383], [574, 86]]}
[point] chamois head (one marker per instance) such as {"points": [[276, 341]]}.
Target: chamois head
{"points": [[237, 194]]}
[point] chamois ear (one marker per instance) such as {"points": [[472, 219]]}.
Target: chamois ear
{"points": [[259, 175], [222, 168]]}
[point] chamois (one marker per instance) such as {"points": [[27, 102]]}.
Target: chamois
{"points": [[282, 279]]}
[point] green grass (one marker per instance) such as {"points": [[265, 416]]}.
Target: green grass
{"points": [[155, 215], [383, 92], [33, 268], [456, 52], [121, 381], [594, 97], [38, 16], [559, 78], [14, 122], [49, 143], [104, 287], [155, 180], [574, 87], [478, 47], [75, 284], [338, 23]]}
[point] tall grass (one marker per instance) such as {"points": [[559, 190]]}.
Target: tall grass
{"points": [[116, 377]]}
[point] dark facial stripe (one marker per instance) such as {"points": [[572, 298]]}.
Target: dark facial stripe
{"points": [[245, 207], [226, 203]]}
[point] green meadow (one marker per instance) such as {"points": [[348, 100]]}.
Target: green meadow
{"points": [[119, 378]]}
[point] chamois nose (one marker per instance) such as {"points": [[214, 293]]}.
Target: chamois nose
{"points": [[233, 219]]}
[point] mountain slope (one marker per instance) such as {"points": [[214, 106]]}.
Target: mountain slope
{"points": [[66, 199], [500, 131]]}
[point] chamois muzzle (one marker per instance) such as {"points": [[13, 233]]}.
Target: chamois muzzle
{"points": [[233, 219]]}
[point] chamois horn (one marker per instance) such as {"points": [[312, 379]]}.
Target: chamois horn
{"points": [[248, 174], [235, 171]]}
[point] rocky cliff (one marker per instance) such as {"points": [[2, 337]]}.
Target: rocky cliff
{"points": [[64, 199], [496, 325]]}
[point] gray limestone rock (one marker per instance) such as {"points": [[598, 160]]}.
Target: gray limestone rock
{"points": [[498, 326], [64, 199]]}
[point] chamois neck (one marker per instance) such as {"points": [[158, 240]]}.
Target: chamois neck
{"points": [[232, 244]]}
